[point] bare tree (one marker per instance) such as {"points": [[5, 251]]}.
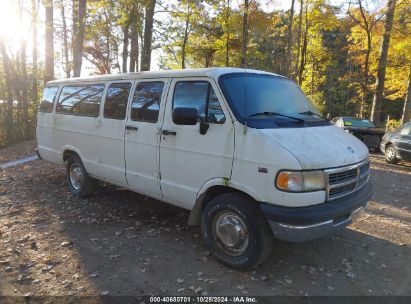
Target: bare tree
{"points": [[67, 65], [300, 24], [245, 34], [367, 24], [382, 63], [49, 62], [289, 41], [10, 93], [34, 13], [134, 24], [406, 112], [148, 36], [126, 29], [78, 35]]}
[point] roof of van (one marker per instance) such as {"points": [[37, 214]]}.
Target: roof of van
{"points": [[213, 72]]}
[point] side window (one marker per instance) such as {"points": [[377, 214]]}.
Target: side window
{"points": [[201, 96], [115, 104], [49, 96], [81, 100], [146, 101], [406, 130]]}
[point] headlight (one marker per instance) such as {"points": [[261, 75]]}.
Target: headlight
{"points": [[300, 181]]}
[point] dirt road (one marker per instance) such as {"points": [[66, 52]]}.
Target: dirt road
{"points": [[122, 243]]}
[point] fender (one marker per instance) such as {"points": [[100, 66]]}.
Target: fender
{"points": [[70, 148], [195, 214]]}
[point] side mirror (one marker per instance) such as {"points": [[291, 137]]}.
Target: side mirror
{"points": [[185, 116]]}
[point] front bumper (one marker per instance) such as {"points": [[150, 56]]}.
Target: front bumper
{"points": [[307, 223]]}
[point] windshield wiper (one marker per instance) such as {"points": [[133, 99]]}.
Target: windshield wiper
{"points": [[277, 114], [315, 114]]}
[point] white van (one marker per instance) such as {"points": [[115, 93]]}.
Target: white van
{"points": [[244, 150]]}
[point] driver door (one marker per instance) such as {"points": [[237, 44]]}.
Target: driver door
{"points": [[189, 159]]}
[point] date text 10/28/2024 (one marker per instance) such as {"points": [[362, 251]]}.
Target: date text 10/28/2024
{"points": [[203, 299]]}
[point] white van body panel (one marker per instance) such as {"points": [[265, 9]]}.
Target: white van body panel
{"points": [[179, 169], [319, 147], [45, 138], [188, 159], [253, 153], [142, 149]]}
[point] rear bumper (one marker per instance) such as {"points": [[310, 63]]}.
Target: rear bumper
{"points": [[308, 223]]}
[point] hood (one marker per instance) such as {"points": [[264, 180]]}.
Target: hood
{"points": [[319, 147]]}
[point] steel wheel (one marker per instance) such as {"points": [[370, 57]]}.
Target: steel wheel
{"points": [[230, 232], [391, 155], [76, 176]]}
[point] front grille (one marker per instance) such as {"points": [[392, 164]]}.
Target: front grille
{"points": [[346, 180]]}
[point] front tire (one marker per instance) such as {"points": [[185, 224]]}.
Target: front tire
{"points": [[391, 155], [235, 231], [79, 182]]}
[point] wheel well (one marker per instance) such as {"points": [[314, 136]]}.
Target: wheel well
{"points": [[67, 154], [195, 214]]}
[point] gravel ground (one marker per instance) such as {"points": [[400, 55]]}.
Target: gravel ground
{"points": [[122, 243]]}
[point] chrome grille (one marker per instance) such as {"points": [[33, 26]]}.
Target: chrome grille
{"points": [[345, 180]]}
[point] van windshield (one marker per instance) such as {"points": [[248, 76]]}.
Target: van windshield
{"points": [[266, 97]]}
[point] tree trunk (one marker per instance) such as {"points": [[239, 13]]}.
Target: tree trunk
{"points": [[245, 35], [49, 62], [125, 47], [10, 94], [133, 67], [185, 40], [67, 66], [148, 36], [300, 23], [304, 48], [79, 37], [406, 113], [34, 88], [382, 64], [289, 41], [227, 43]]}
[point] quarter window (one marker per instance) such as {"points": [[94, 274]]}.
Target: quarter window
{"points": [[49, 96], [81, 100], [115, 104], [406, 130], [201, 96], [146, 101]]}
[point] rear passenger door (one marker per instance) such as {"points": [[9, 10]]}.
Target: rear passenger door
{"points": [[111, 132], [142, 136]]}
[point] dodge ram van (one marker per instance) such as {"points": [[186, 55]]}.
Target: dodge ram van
{"points": [[244, 150]]}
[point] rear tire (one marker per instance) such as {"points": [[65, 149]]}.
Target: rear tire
{"points": [[79, 182], [235, 231], [391, 155]]}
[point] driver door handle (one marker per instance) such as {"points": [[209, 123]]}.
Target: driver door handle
{"points": [[131, 128], [167, 132]]}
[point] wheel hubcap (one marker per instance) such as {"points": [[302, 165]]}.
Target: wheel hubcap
{"points": [[390, 153], [76, 176], [231, 233]]}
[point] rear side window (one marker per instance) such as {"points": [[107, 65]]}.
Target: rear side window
{"points": [[81, 100], [201, 96], [115, 104], [49, 96], [146, 101], [406, 130]]}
